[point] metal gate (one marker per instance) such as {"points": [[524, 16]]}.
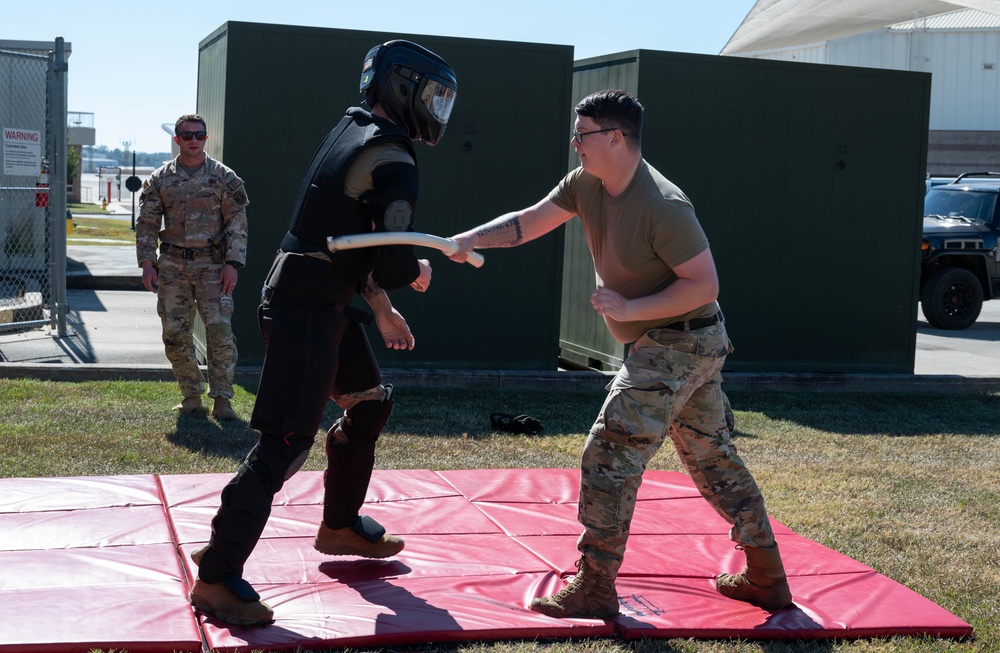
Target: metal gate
{"points": [[33, 187]]}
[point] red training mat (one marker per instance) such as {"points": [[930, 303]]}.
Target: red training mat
{"points": [[103, 562]]}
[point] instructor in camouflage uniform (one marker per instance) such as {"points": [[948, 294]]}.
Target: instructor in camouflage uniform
{"points": [[657, 289], [195, 207]]}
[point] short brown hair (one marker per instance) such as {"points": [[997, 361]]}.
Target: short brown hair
{"points": [[617, 109], [189, 117]]}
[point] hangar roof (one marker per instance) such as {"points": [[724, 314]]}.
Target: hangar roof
{"points": [[784, 23]]}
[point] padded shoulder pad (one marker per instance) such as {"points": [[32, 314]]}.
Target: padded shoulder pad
{"points": [[395, 187]]}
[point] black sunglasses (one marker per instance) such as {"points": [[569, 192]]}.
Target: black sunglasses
{"points": [[189, 135]]}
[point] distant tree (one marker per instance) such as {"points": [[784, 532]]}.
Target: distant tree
{"points": [[152, 159], [72, 163], [142, 159]]}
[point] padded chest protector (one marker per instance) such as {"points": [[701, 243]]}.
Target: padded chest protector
{"points": [[323, 209]]}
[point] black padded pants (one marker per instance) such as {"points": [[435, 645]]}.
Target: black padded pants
{"points": [[310, 352]]}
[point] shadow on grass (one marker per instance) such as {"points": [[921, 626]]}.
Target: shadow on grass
{"points": [[466, 412], [203, 435], [450, 412], [898, 415], [800, 646]]}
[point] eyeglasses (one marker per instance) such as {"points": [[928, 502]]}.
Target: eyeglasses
{"points": [[578, 136], [189, 135]]}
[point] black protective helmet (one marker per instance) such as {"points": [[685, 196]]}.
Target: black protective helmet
{"points": [[415, 87]]}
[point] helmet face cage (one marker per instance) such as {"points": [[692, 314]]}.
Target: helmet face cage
{"points": [[415, 87]]}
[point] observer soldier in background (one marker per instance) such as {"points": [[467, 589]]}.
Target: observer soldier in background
{"points": [[195, 207], [656, 288], [363, 178]]}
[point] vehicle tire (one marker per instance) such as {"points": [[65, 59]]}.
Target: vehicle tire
{"points": [[951, 299]]}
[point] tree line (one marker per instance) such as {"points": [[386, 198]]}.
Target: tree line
{"points": [[124, 157]]}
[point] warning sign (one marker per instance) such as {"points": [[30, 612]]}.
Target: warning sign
{"points": [[22, 151]]}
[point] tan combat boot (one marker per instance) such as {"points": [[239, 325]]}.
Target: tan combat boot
{"points": [[222, 409], [761, 583], [242, 607], [589, 594], [347, 542], [188, 405], [218, 600]]}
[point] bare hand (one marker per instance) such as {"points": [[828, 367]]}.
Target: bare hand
{"points": [[394, 329], [227, 279], [150, 280], [466, 242], [609, 303], [423, 282]]}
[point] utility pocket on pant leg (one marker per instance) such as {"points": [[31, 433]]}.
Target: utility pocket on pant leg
{"points": [[600, 500], [639, 417]]}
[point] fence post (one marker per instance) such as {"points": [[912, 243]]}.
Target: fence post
{"points": [[58, 109]]}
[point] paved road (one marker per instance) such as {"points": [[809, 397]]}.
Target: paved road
{"points": [[972, 352], [104, 327]]}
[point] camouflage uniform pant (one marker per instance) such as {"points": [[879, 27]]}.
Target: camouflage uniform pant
{"points": [[187, 287], [670, 384]]}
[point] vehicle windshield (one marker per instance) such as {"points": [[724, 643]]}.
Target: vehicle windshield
{"points": [[960, 204]]}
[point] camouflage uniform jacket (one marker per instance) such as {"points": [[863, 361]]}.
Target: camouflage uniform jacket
{"points": [[206, 210]]}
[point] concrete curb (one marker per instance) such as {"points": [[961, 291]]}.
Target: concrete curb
{"points": [[545, 380]]}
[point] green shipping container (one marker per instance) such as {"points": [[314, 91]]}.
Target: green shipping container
{"points": [[270, 93], [809, 181]]}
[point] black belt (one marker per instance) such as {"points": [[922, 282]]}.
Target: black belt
{"points": [[696, 323], [188, 254]]}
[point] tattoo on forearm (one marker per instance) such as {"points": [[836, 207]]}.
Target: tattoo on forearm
{"points": [[502, 232], [370, 289]]}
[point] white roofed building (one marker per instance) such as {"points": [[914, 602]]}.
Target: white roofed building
{"points": [[957, 42]]}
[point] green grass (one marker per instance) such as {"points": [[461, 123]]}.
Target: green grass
{"points": [[85, 207], [909, 485], [101, 231]]}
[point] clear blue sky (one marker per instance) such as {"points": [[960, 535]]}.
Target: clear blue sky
{"points": [[134, 63]]}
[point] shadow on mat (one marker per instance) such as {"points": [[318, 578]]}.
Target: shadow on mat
{"points": [[371, 580]]}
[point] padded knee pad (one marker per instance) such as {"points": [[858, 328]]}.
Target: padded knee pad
{"points": [[367, 419], [296, 465], [336, 437], [246, 500], [277, 461]]}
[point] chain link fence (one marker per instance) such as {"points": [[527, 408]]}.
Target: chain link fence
{"points": [[33, 187]]}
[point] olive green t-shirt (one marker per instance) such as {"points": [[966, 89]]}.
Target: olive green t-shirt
{"points": [[636, 238]]}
